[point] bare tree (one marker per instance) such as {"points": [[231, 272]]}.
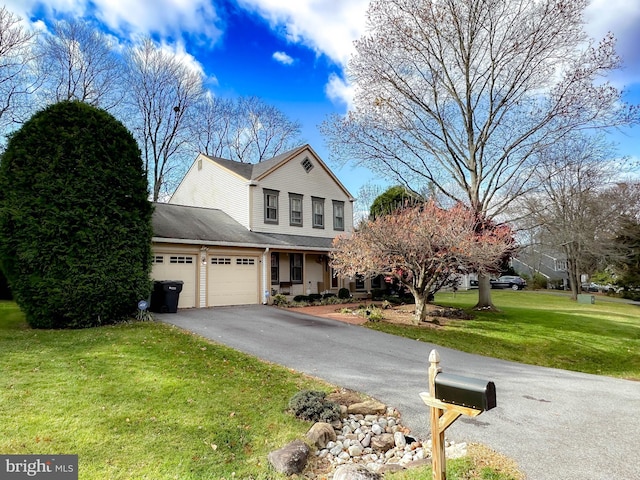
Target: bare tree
{"points": [[211, 123], [162, 92], [16, 57], [78, 62], [573, 206], [462, 94], [263, 131], [246, 129]]}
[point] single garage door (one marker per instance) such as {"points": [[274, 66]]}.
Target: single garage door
{"points": [[178, 267], [232, 280]]}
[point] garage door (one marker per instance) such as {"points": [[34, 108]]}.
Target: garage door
{"points": [[178, 267], [232, 280]]}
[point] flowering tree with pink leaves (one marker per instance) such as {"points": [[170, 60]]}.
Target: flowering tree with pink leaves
{"points": [[424, 248]]}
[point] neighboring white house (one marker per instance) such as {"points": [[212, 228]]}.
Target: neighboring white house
{"points": [[237, 233]]}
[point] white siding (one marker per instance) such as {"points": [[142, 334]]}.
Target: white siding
{"points": [[214, 187], [292, 178]]}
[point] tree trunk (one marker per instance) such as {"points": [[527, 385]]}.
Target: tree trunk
{"points": [[420, 314], [572, 271], [574, 279], [484, 293]]}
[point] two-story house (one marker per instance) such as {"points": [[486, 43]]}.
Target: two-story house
{"points": [[237, 233]]}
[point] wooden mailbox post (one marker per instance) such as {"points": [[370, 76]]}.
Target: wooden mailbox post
{"points": [[456, 396]]}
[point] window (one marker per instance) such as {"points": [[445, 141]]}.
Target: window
{"points": [[295, 210], [376, 282], [560, 265], [338, 215], [270, 206], [245, 261], [275, 268], [318, 212], [334, 279], [220, 261], [307, 165], [180, 259], [296, 267], [359, 281], [158, 259]]}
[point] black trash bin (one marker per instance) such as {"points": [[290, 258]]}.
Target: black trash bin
{"points": [[165, 296]]}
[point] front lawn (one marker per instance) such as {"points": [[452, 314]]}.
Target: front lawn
{"points": [[540, 328], [149, 401]]}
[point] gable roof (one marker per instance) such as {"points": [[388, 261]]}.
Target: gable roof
{"points": [[257, 171], [208, 226]]}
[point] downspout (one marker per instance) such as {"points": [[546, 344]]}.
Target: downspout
{"points": [[265, 292]]}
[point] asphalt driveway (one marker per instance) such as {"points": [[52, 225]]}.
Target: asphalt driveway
{"points": [[557, 425]]}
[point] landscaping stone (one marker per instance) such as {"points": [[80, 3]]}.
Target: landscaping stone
{"points": [[377, 441], [320, 434], [399, 440], [355, 472], [290, 459], [368, 407], [383, 442]]}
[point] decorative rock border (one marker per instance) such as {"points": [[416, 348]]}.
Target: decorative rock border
{"points": [[369, 435]]}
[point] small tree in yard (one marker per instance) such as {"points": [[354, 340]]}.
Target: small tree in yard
{"points": [[423, 247], [75, 221]]}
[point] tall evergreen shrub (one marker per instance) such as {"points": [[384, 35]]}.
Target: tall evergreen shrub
{"points": [[75, 220]]}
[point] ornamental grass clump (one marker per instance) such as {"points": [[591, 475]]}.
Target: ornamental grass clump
{"points": [[312, 405]]}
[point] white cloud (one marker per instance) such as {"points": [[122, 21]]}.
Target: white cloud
{"points": [[132, 18], [327, 27], [339, 91], [178, 51], [168, 18], [283, 58], [621, 17]]}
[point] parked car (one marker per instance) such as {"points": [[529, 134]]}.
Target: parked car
{"points": [[509, 281]]}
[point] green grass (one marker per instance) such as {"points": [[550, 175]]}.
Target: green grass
{"points": [[540, 328], [147, 401], [142, 400]]}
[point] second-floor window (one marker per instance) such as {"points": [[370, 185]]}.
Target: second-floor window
{"points": [[270, 206], [338, 215], [295, 210], [318, 212]]}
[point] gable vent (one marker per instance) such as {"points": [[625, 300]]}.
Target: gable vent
{"points": [[307, 165]]}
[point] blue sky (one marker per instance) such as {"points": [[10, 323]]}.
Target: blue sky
{"points": [[292, 53]]}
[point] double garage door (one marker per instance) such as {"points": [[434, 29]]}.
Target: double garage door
{"points": [[228, 280]]}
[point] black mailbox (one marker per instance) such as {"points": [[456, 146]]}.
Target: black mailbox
{"points": [[466, 392]]}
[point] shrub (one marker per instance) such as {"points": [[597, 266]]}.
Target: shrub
{"points": [[311, 405], [75, 220], [371, 313], [301, 298], [315, 297], [333, 300], [344, 293], [539, 282], [279, 300]]}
